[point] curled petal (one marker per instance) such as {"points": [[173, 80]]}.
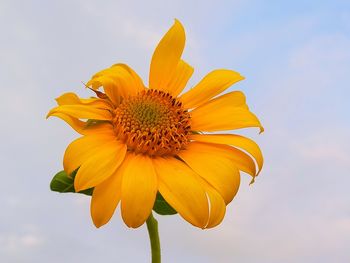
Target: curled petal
{"points": [[71, 98], [83, 127], [217, 208], [214, 167], [235, 140], [118, 81], [82, 112]]}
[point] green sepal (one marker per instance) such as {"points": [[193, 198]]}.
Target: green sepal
{"points": [[64, 183], [161, 206]]}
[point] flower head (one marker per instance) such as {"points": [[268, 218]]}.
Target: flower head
{"points": [[137, 141]]}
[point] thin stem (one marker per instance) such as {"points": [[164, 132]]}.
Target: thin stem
{"points": [[152, 226]]}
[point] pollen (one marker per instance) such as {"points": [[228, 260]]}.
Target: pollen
{"points": [[152, 122]]}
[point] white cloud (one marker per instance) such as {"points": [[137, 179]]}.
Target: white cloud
{"points": [[15, 243]]}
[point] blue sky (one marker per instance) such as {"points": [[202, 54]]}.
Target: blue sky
{"points": [[296, 59]]}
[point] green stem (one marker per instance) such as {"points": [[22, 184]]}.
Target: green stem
{"points": [[152, 226]]}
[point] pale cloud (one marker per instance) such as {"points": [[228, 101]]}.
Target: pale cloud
{"points": [[325, 148], [12, 243]]}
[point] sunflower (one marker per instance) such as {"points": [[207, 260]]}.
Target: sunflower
{"points": [[137, 141]]}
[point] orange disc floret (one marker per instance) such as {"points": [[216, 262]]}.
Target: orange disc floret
{"points": [[152, 122]]}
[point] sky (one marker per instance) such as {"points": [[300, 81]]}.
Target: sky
{"points": [[295, 56]]}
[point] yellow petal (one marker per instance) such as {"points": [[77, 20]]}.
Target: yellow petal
{"points": [[214, 166], [75, 123], [81, 149], [139, 189], [68, 99], [102, 164], [240, 159], [71, 98], [131, 83], [166, 57], [79, 126], [118, 81], [182, 189], [110, 87], [105, 199], [180, 78], [217, 208], [82, 112], [227, 112], [235, 140], [82, 127], [211, 85]]}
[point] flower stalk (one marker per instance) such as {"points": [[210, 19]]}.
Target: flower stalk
{"points": [[152, 227]]}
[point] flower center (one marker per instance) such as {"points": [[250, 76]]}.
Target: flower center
{"points": [[152, 122]]}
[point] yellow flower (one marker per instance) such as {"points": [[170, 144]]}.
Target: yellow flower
{"points": [[137, 141]]}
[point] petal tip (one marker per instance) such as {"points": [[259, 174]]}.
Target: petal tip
{"points": [[237, 75], [88, 84], [133, 224], [78, 186], [178, 23], [252, 181], [97, 224], [178, 26], [49, 114], [261, 129]]}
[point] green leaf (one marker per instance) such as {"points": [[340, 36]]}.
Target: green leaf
{"points": [[162, 207], [63, 183]]}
